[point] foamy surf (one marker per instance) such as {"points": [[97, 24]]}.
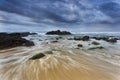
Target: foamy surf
{"points": [[65, 62]]}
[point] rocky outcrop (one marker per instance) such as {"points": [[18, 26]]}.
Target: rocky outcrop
{"points": [[22, 34], [58, 32], [14, 40]]}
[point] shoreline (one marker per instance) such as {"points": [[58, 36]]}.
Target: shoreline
{"points": [[63, 60]]}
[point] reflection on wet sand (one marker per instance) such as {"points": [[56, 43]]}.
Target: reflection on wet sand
{"points": [[63, 64]]}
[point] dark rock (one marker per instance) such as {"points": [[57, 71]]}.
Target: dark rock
{"points": [[23, 34], [13, 40], [57, 38], [32, 33], [54, 41], [106, 39], [37, 56], [112, 40], [85, 38], [77, 38], [80, 45], [58, 32], [101, 38], [95, 43]]}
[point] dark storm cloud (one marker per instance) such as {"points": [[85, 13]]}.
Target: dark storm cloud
{"points": [[60, 12], [111, 9]]}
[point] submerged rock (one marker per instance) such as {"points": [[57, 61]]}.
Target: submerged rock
{"points": [[58, 32], [101, 38], [95, 43], [112, 40], [98, 47], [77, 38], [54, 41], [80, 45], [37, 56], [85, 38], [107, 39]]}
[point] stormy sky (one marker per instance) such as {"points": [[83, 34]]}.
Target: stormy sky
{"points": [[73, 15]]}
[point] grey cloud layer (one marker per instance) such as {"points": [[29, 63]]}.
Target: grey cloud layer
{"points": [[57, 12]]}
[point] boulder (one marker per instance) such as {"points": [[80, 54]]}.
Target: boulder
{"points": [[95, 43], [58, 32], [37, 56]]}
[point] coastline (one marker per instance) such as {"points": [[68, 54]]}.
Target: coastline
{"points": [[63, 60]]}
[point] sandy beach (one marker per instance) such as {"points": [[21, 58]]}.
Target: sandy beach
{"points": [[62, 61]]}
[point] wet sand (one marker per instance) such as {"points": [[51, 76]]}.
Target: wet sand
{"points": [[66, 63]]}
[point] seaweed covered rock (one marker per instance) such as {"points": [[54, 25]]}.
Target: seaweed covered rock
{"points": [[58, 32]]}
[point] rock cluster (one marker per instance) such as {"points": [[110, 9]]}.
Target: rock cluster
{"points": [[84, 38], [58, 32], [10, 40], [106, 39]]}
